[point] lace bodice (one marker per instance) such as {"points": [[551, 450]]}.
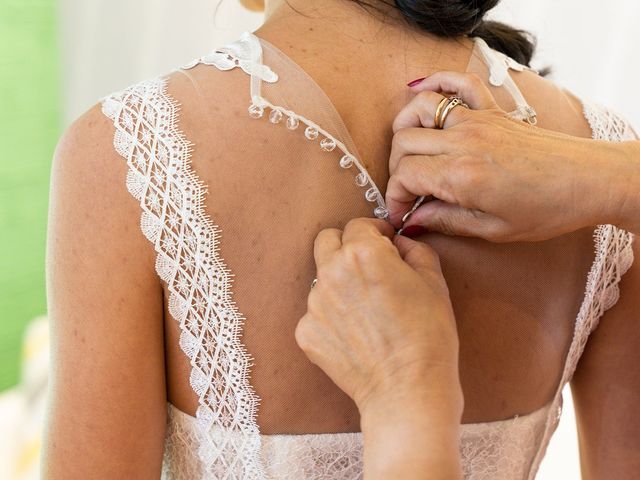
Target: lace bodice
{"points": [[223, 440], [497, 450]]}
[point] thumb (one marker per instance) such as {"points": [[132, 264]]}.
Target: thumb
{"points": [[451, 219], [419, 256]]}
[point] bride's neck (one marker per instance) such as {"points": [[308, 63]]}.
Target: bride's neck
{"points": [[348, 31], [339, 19]]}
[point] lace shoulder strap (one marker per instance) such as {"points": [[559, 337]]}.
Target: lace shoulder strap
{"points": [[608, 125], [185, 239], [614, 257], [171, 197], [499, 65]]}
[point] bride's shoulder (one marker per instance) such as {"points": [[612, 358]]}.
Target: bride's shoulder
{"points": [[172, 104], [561, 110], [558, 109]]}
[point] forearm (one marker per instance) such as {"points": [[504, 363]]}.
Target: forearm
{"points": [[605, 179], [413, 435]]}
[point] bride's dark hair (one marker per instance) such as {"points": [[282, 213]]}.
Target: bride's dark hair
{"points": [[454, 18]]}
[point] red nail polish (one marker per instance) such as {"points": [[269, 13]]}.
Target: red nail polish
{"points": [[413, 231], [415, 82]]}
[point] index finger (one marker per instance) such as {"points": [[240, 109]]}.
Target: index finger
{"points": [[417, 176], [467, 86], [421, 111], [367, 229]]}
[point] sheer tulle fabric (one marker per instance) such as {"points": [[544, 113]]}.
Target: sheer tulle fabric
{"points": [[232, 209]]}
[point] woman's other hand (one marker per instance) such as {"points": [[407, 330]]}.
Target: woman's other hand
{"points": [[380, 312], [380, 324], [500, 179]]}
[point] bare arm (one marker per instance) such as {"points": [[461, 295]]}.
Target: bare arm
{"points": [[606, 389], [107, 402]]}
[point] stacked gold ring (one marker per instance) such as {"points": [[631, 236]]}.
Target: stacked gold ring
{"points": [[446, 105]]}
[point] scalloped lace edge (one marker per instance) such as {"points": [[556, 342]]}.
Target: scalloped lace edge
{"points": [[179, 150], [613, 258]]}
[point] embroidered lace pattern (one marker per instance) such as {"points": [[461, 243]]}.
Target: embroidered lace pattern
{"points": [[173, 219], [223, 440]]}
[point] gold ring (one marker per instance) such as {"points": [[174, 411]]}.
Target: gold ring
{"points": [[453, 103], [441, 105]]}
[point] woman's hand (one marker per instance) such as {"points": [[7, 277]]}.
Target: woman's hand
{"points": [[380, 312], [379, 322], [501, 179]]}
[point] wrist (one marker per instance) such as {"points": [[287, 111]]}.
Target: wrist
{"points": [[408, 435], [622, 162], [629, 212], [606, 182], [433, 390]]}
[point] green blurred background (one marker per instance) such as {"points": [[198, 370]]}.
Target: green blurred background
{"points": [[29, 126]]}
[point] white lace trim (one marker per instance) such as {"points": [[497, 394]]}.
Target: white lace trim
{"points": [[186, 241], [499, 65], [614, 257]]}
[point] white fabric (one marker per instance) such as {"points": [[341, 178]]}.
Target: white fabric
{"points": [[224, 440]]}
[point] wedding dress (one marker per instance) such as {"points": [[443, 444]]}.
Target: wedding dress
{"points": [[194, 256]]}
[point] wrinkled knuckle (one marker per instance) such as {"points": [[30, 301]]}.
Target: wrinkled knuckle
{"points": [[399, 140], [447, 225], [358, 223], [360, 251]]}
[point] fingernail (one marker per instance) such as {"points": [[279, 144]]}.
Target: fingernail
{"points": [[415, 82], [413, 231]]}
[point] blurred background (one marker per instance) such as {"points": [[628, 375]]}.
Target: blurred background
{"points": [[57, 58]]}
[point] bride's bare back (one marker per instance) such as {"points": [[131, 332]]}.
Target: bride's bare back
{"points": [[271, 190], [516, 304]]}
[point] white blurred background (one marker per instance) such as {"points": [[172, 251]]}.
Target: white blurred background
{"points": [[106, 45], [592, 46]]}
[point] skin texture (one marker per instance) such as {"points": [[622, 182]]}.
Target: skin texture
{"points": [[111, 424], [107, 396], [388, 340], [606, 390], [563, 183]]}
